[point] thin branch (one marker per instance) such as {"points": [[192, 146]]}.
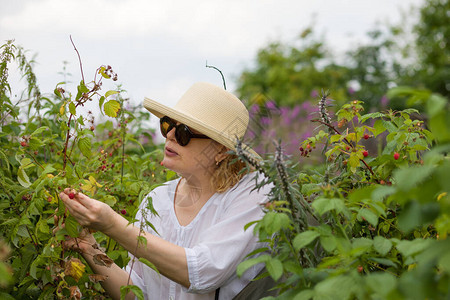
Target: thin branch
{"points": [[221, 74], [79, 58]]}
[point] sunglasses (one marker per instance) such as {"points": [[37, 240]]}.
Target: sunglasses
{"points": [[183, 134]]}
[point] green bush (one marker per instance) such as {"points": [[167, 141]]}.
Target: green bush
{"points": [[60, 146], [363, 225]]}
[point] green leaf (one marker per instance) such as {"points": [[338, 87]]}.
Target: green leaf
{"points": [[409, 178], [338, 287], [149, 264], [275, 268], [125, 289], [111, 108], [328, 242], [323, 205], [305, 295], [335, 138], [246, 264], [84, 144], [361, 246], [304, 238], [111, 92], [100, 103], [371, 116], [381, 283], [382, 245], [274, 221], [71, 225], [72, 108], [368, 215], [23, 178], [82, 88], [408, 248], [353, 161], [39, 130]]}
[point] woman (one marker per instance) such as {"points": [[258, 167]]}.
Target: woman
{"points": [[200, 237]]}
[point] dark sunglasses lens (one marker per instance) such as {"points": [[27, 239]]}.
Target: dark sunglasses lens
{"points": [[165, 125], [182, 135]]}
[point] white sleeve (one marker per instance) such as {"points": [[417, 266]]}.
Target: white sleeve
{"points": [[225, 244]]}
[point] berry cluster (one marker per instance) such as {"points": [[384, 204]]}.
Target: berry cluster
{"points": [[90, 120], [305, 152], [25, 141], [104, 166], [108, 71]]}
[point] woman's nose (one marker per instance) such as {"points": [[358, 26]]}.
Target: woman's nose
{"points": [[171, 134]]}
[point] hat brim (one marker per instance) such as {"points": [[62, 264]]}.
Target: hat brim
{"points": [[161, 110]]}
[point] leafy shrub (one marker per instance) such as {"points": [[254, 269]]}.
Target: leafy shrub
{"points": [[61, 146], [364, 225]]}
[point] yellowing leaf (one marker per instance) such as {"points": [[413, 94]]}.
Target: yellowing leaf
{"points": [[74, 268], [62, 109], [94, 182], [88, 187], [109, 93], [111, 108]]}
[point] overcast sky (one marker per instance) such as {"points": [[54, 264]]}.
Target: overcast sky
{"points": [[159, 48]]}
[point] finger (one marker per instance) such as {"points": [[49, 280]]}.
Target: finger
{"points": [[85, 200]]}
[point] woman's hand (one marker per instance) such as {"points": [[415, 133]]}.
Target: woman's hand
{"points": [[85, 243], [87, 211]]}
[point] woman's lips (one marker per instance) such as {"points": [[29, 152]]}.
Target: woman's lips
{"points": [[170, 152]]}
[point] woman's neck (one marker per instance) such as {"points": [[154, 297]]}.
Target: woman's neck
{"points": [[191, 190]]}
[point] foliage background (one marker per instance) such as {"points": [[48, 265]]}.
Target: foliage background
{"points": [[371, 173]]}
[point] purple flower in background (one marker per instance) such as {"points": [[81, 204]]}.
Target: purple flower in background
{"points": [[271, 105], [314, 94], [295, 111], [265, 120], [351, 90], [285, 118], [254, 109], [384, 101], [251, 134]]}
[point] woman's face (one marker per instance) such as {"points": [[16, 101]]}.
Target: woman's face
{"points": [[197, 158]]}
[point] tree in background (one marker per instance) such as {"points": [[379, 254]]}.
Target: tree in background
{"points": [[290, 74]]}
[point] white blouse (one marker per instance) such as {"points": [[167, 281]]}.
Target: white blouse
{"points": [[215, 242]]}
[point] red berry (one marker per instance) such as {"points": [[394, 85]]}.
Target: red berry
{"points": [[92, 128], [301, 149], [23, 144], [366, 136], [161, 163], [123, 212], [71, 195], [360, 269], [396, 155], [347, 148], [365, 153]]}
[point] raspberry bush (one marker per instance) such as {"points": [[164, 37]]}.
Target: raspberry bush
{"points": [[60, 145], [368, 220]]}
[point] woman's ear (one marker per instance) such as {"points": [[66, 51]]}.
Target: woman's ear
{"points": [[221, 155]]}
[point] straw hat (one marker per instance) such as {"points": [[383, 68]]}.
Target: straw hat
{"points": [[211, 111]]}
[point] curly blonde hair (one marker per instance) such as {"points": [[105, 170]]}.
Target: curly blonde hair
{"points": [[228, 173]]}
